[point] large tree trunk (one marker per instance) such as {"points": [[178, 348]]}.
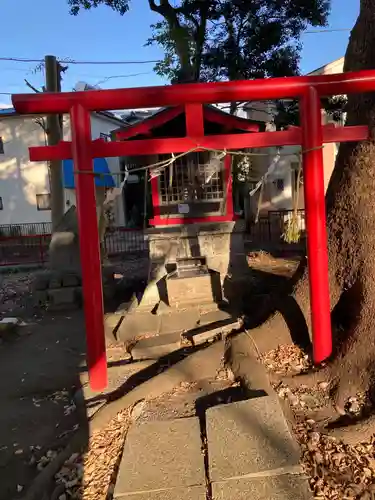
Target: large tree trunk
{"points": [[351, 245]]}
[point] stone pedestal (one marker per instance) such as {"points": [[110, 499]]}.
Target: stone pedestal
{"points": [[190, 290], [222, 244], [170, 293]]}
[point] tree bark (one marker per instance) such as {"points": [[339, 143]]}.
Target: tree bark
{"points": [[350, 203], [180, 37]]}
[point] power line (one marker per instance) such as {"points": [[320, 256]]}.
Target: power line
{"points": [[105, 79], [67, 61], [328, 30], [70, 61]]}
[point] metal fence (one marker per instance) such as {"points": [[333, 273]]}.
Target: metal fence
{"points": [[122, 241], [28, 229], [24, 249], [28, 243], [271, 227]]}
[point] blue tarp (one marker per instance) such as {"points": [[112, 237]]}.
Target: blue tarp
{"points": [[100, 167]]}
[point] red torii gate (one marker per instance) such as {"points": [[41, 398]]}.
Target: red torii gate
{"points": [[311, 136]]}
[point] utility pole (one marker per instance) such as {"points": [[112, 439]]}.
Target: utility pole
{"points": [[54, 135]]}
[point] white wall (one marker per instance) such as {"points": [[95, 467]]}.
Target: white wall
{"points": [[100, 125], [272, 199], [22, 180]]}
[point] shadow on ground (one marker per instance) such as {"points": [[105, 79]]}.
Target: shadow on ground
{"points": [[43, 366]]}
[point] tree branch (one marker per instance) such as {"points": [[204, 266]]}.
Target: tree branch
{"points": [[32, 87], [200, 38], [162, 8]]}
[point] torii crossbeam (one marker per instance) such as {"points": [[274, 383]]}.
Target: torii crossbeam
{"points": [[311, 136]]}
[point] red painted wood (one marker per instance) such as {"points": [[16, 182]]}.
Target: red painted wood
{"points": [[178, 221], [102, 149], [89, 249], [308, 89], [313, 183], [155, 196], [149, 123], [345, 134], [204, 93], [146, 126], [194, 120], [230, 121]]}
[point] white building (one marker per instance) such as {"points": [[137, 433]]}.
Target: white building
{"points": [[279, 192], [25, 186]]}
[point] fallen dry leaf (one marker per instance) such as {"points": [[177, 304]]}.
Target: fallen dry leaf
{"points": [[336, 471], [286, 359], [91, 476]]}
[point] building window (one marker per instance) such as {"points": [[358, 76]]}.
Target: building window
{"points": [[1, 146], [105, 137], [1, 204], [43, 201]]}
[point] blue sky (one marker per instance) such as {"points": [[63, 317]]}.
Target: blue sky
{"points": [[33, 29]]}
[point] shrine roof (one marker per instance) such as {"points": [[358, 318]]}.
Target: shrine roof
{"points": [[170, 122]]}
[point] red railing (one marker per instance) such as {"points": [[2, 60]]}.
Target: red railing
{"points": [[24, 249]]}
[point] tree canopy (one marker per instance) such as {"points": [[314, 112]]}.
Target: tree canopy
{"points": [[209, 40]]}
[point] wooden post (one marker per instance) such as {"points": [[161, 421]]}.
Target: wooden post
{"points": [[317, 253], [53, 138], [89, 248]]}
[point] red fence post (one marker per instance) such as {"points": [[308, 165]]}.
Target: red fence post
{"points": [[89, 248], [313, 172], [41, 251]]}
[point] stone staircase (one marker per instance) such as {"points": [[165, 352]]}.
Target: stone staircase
{"points": [[151, 336], [235, 451]]}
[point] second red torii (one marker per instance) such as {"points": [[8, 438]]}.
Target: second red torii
{"points": [[311, 136]]}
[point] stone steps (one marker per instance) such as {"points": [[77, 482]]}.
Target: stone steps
{"points": [[151, 336], [237, 451], [160, 457]]}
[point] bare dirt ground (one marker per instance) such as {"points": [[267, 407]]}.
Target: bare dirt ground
{"points": [[41, 368], [39, 373]]}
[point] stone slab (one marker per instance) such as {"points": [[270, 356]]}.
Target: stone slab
{"points": [[179, 321], [249, 437], [41, 280], [208, 307], [282, 487], [150, 299], [206, 334], [165, 343], [111, 323], [161, 455], [127, 307], [193, 493], [55, 281], [137, 325], [189, 305], [39, 297], [111, 320], [214, 317], [156, 347], [198, 288], [62, 296], [71, 279]]}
